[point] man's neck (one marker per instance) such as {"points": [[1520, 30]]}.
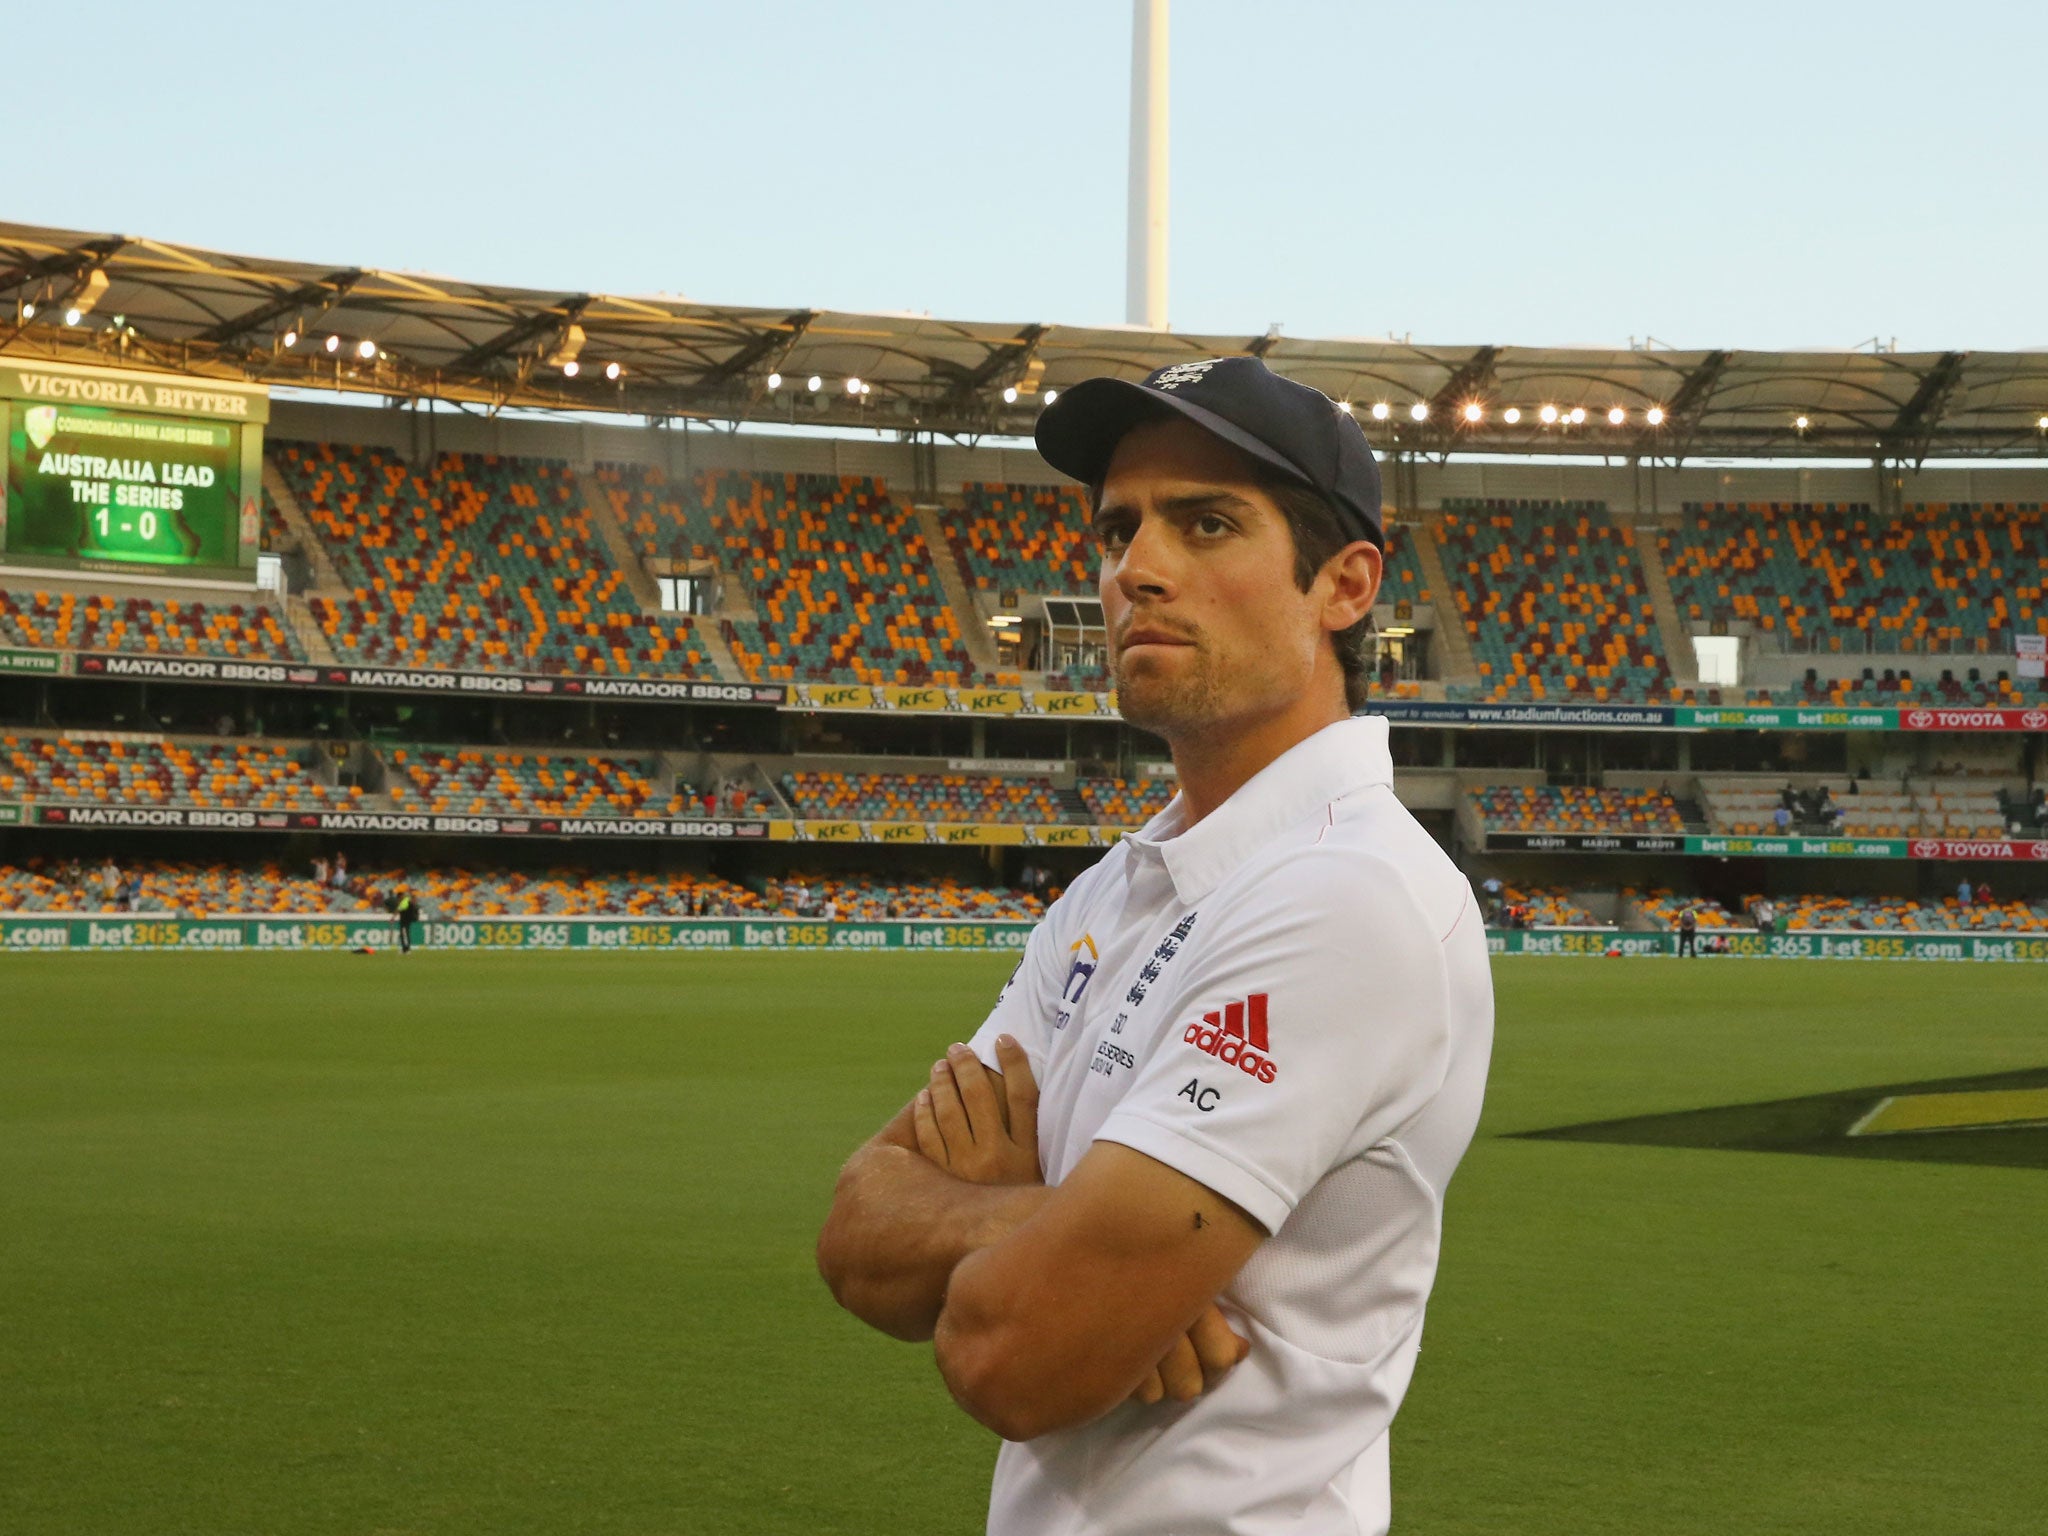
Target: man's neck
{"points": [[1219, 761]]}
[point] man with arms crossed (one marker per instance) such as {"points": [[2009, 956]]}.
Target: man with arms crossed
{"points": [[1172, 1217]]}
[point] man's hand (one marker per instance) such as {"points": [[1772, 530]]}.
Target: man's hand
{"points": [[1196, 1363], [977, 1127]]}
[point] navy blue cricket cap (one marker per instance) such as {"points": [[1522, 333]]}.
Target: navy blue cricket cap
{"points": [[1290, 427]]}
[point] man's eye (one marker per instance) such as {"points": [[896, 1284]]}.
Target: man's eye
{"points": [[1212, 523], [1113, 535]]}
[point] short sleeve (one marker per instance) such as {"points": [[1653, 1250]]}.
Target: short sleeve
{"points": [[1312, 1022]]}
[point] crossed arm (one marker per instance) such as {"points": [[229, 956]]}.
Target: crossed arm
{"points": [[1046, 1307]]}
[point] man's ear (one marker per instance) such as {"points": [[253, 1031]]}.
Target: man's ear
{"points": [[1355, 572]]}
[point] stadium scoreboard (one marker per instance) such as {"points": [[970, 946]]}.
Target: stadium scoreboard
{"points": [[113, 470]]}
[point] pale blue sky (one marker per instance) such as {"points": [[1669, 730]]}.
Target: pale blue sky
{"points": [[1758, 175]]}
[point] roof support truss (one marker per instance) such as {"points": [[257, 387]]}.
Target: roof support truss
{"points": [[519, 334], [1912, 430], [309, 300], [62, 263]]}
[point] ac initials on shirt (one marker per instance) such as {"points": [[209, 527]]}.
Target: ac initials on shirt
{"points": [[1236, 1036]]}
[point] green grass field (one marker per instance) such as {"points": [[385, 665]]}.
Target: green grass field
{"points": [[505, 1244]]}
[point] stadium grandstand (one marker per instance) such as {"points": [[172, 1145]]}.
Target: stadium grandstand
{"points": [[535, 598]]}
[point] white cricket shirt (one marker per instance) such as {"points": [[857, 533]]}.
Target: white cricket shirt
{"points": [[1289, 1002]]}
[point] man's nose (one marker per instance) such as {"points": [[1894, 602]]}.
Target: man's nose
{"points": [[1147, 566]]}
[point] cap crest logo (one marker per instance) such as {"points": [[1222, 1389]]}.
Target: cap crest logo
{"points": [[1184, 373]]}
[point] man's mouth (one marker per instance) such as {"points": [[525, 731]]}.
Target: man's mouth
{"points": [[1143, 635]]}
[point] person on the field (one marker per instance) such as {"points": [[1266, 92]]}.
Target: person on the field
{"points": [[1688, 931], [405, 912]]}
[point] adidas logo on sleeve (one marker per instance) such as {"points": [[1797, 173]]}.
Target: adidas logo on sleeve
{"points": [[1236, 1036]]}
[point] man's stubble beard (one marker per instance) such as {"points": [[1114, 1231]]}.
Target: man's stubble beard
{"points": [[1167, 706]]}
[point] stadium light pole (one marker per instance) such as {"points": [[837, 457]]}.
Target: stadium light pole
{"points": [[1145, 263]]}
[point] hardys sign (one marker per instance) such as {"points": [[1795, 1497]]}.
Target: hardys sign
{"points": [[1780, 946], [362, 931]]}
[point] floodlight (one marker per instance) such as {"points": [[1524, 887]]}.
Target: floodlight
{"points": [[1654, 415], [1549, 414], [567, 347], [1049, 396], [774, 382], [1379, 410], [85, 296], [366, 349], [1419, 410], [1802, 423], [1578, 415], [571, 368], [612, 371], [2043, 423], [853, 386], [28, 310], [816, 383], [291, 339], [1511, 415], [1474, 411], [1616, 416], [1010, 395], [334, 343]]}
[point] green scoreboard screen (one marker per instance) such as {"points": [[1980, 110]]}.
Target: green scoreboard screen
{"points": [[109, 470]]}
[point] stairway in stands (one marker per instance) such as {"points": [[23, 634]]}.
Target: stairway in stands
{"points": [[604, 520], [1454, 647], [1671, 634], [973, 632]]}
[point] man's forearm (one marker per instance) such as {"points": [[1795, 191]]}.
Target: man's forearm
{"points": [[899, 1225]]}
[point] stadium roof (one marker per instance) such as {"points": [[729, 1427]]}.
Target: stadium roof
{"points": [[156, 305]]}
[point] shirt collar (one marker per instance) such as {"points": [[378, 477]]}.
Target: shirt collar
{"points": [[1342, 757]]}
